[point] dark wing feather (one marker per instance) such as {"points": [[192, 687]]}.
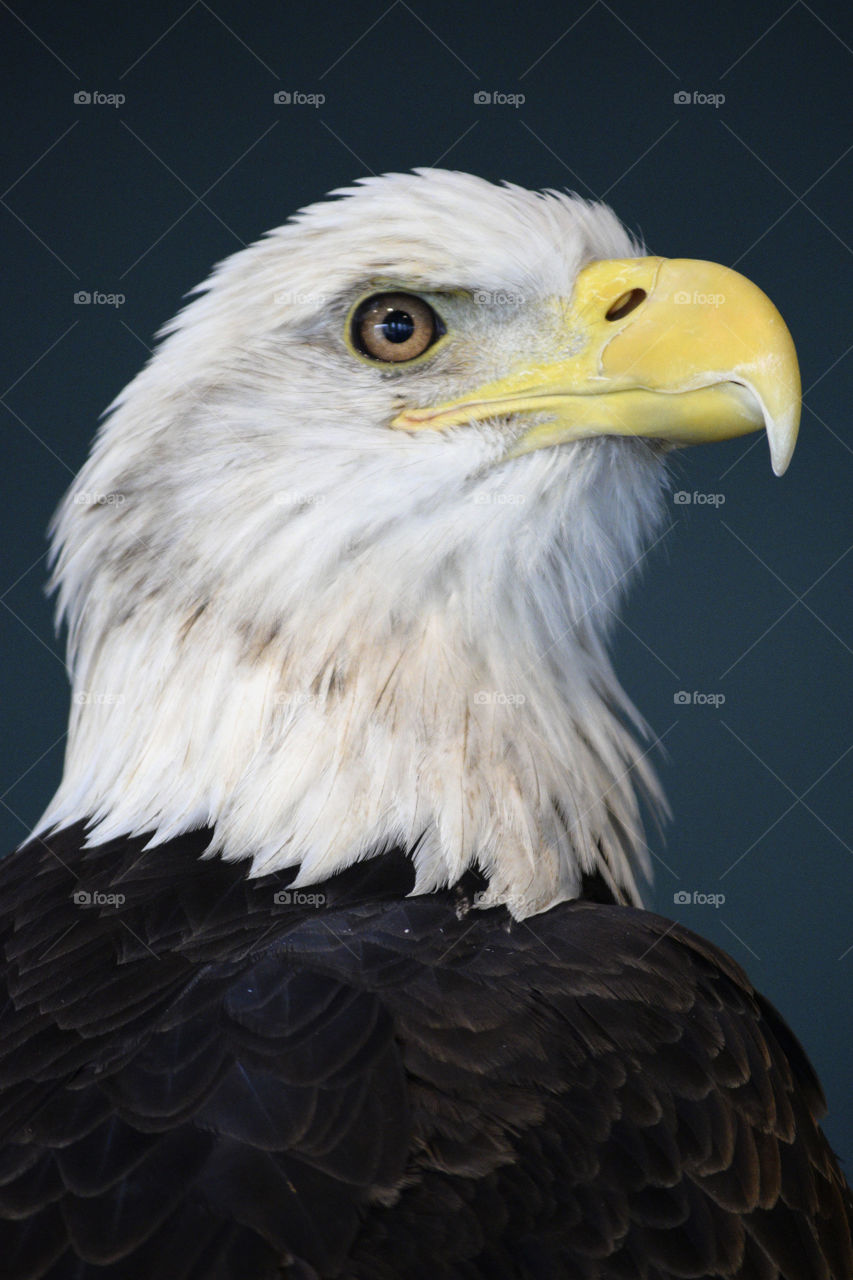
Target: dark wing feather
{"points": [[202, 1079]]}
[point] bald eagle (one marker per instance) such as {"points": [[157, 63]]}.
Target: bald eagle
{"points": [[328, 958]]}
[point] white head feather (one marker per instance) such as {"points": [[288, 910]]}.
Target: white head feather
{"points": [[323, 637]]}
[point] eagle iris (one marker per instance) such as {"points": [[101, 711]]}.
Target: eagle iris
{"points": [[394, 327]]}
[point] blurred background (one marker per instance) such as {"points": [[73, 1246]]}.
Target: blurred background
{"points": [[144, 143]]}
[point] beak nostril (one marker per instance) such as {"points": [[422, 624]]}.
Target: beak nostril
{"points": [[625, 304]]}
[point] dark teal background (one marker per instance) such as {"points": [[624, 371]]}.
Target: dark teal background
{"points": [[749, 598]]}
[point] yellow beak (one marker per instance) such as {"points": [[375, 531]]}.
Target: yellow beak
{"points": [[666, 349]]}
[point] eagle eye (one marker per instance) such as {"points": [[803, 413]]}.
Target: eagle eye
{"points": [[394, 327]]}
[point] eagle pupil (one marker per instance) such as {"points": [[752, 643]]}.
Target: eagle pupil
{"points": [[398, 326]]}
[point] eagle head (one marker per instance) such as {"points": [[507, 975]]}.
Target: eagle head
{"points": [[340, 570]]}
